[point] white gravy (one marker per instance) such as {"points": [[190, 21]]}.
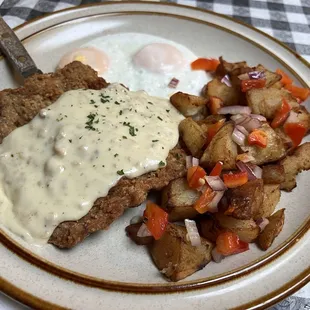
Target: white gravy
{"points": [[54, 168]]}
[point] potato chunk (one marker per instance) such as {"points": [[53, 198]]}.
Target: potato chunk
{"points": [[193, 136], [272, 230], [274, 151], [273, 174], [189, 105], [266, 101], [247, 230], [271, 77], [246, 200], [229, 95], [178, 200], [174, 255], [293, 164], [221, 148], [272, 195]]}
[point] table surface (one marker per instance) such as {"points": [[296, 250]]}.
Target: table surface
{"points": [[286, 20]]}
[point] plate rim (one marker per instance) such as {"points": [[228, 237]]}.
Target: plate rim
{"points": [[298, 281]]}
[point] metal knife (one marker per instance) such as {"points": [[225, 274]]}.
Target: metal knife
{"points": [[15, 52]]}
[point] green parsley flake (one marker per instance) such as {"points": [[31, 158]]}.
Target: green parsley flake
{"points": [[120, 172], [154, 140], [161, 164], [159, 118]]}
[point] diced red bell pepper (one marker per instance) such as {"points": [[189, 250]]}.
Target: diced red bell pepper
{"points": [[194, 174], [285, 79], [281, 114], [213, 129], [233, 180], [214, 104], [298, 92], [296, 131], [217, 170], [249, 84], [258, 137], [228, 243], [156, 219], [207, 64], [202, 204]]}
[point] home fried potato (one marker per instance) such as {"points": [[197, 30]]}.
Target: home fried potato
{"points": [[272, 230], [273, 174], [132, 231], [266, 101], [295, 163], [193, 136], [229, 95], [208, 228], [221, 148], [244, 201], [231, 68], [275, 149], [189, 105], [247, 230], [302, 116], [271, 198], [178, 200], [277, 85], [209, 121], [271, 77], [174, 255]]}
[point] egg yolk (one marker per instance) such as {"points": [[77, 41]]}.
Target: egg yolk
{"points": [[159, 58], [91, 56]]}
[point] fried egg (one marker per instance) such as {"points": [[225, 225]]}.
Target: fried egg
{"points": [[141, 62]]}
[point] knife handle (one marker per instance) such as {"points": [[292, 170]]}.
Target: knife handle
{"points": [[15, 52]]}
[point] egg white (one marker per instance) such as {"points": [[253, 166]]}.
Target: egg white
{"points": [[121, 48]]}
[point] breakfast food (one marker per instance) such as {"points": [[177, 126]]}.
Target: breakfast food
{"points": [[72, 152], [141, 62], [237, 162], [88, 150]]}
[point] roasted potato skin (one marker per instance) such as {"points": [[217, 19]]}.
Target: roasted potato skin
{"points": [[274, 151], [272, 230], [175, 257], [209, 121], [273, 174], [189, 105], [272, 196], [132, 231], [221, 148], [193, 136], [247, 230], [215, 88], [208, 228], [246, 200], [294, 164], [266, 101], [178, 200], [231, 68], [271, 77]]}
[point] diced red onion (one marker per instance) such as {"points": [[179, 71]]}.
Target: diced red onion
{"points": [[250, 124], [136, 219], [216, 183], [235, 109], [259, 117], [188, 161], [195, 161], [246, 168], [143, 231], [192, 232], [236, 116], [173, 83], [243, 130], [217, 257], [293, 118], [257, 171], [238, 137], [212, 207], [256, 75], [226, 80], [262, 223]]}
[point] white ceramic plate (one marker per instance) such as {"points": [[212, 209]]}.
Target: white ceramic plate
{"points": [[108, 270]]}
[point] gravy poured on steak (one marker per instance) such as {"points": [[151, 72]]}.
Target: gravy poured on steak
{"points": [[53, 169]]}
